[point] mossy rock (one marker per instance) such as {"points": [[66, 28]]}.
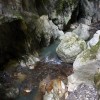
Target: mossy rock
{"points": [[97, 80], [87, 56], [91, 53], [70, 47]]}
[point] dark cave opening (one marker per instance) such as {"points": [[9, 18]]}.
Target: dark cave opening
{"points": [[12, 39]]}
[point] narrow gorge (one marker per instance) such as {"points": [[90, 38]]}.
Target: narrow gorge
{"points": [[49, 49]]}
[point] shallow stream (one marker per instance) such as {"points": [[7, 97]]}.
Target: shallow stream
{"points": [[21, 83]]}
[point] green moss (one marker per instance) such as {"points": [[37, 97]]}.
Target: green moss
{"points": [[97, 80], [82, 45], [95, 48], [91, 53]]}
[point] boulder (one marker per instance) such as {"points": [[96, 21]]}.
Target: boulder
{"points": [[87, 56], [82, 31], [47, 30], [52, 89], [84, 92], [70, 47], [85, 66], [94, 40], [83, 74]]}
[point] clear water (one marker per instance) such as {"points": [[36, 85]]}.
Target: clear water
{"points": [[50, 50], [49, 53]]}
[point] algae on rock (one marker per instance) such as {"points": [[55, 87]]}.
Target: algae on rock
{"points": [[87, 56], [70, 47]]}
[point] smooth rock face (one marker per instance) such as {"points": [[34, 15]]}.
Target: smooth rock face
{"points": [[84, 92], [85, 66], [94, 40], [47, 29], [70, 47], [83, 74], [82, 31], [87, 56]]}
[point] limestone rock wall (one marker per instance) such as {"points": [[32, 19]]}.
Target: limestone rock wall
{"points": [[18, 19]]}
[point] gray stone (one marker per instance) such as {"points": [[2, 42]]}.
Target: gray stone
{"points": [[92, 42], [87, 56], [83, 74], [82, 31], [70, 47], [47, 29], [85, 66], [86, 21], [84, 92]]}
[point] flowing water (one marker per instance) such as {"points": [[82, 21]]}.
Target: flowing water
{"points": [[22, 83]]}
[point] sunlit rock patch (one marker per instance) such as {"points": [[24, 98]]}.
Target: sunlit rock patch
{"points": [[53, 89]]}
